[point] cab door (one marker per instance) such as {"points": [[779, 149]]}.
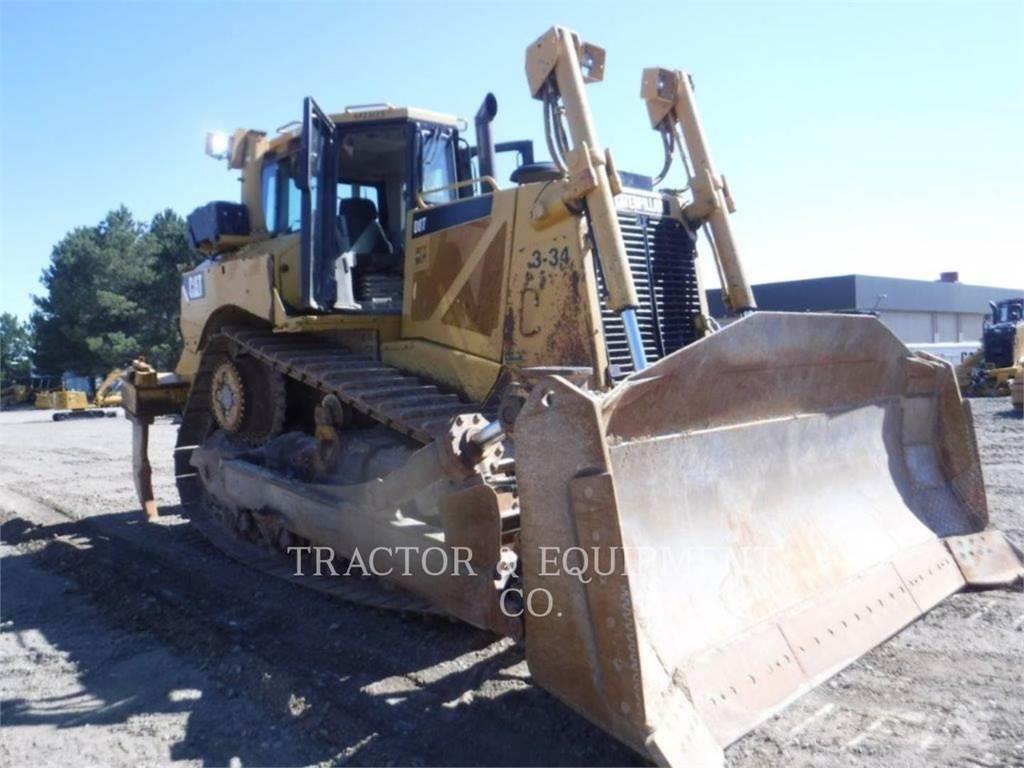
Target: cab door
{"points": [[316, 179]]}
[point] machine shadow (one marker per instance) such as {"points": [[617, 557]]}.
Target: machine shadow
{"points": [[1009, 413], [263, 669]]}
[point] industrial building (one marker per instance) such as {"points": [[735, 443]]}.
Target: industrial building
{"points": [[917, 311]]}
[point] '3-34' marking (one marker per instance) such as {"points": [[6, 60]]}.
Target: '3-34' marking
{"points": [[555, 257]]}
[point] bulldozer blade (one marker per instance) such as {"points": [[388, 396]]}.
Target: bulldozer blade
{"points": [[735, 524]]}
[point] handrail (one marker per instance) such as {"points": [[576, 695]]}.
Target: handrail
{"points": [[421, 203]]}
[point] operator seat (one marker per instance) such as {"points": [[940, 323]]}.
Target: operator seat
{"points": [[363, 248], [361, 235]]}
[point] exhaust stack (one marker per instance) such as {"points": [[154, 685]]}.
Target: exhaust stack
{"points": [[484, 141]]}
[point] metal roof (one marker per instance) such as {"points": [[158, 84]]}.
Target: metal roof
{"points": [[369, 113], [868, 292]]}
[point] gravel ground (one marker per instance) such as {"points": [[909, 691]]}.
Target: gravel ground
{"points": [[123, 643]]}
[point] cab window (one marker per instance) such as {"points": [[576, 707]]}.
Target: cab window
{"points": [[293, 217], [281, 196], [365, 191], [269, 195], [438, 165]]}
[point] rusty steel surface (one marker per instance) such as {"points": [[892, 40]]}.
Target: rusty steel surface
{"points": [[388, 519], [986, 559], [783, 492]]}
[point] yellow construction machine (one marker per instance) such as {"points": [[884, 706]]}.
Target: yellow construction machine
{"points": [[13, 395], [60, 394], [43, 390], [108, 393], [990, 371], [392, 360], [67, 395]]}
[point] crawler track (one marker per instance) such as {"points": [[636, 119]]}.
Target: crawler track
{"points": [[401, 401], [362, 590]]}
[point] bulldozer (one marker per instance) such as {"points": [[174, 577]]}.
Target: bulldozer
{"points": [[990, 371], [510, 402]]}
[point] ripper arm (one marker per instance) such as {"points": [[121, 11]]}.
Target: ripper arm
{"points": [[148, 394]]}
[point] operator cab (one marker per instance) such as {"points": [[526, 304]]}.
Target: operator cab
{"points": [[1000, 330], [1007, 311], [345, 184], [359, 174]]}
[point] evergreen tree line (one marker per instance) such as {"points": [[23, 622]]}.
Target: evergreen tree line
{"points": [[112, 293]]}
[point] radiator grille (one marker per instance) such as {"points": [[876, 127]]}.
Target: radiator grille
{"points": [[661, 253]]}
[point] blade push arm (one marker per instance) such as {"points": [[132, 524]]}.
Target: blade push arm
{"points": [[558, 67], [672, 107]]}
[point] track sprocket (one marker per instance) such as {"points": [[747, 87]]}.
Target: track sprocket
{"points": [[247, 398], [227, 396]]}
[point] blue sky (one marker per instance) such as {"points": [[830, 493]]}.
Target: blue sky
{"points": [[874, 138]]}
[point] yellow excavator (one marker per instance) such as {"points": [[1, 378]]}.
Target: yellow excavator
{"points": [[108, 393], [510, 401]]}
